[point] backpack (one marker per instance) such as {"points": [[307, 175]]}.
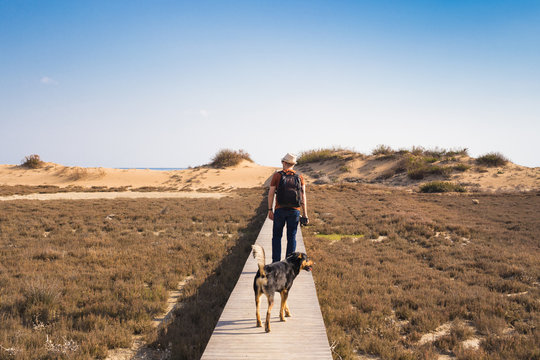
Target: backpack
{"points": [[289, 190]]}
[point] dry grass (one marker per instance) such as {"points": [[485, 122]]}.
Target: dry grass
{"points": [[32, 162], [80, 277], [441, 187], [226, 157], [7, 190], [334, 153], [435, 153], [492, 159], [413, 262]]}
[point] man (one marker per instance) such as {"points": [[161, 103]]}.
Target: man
{"points": [[290, 191]]}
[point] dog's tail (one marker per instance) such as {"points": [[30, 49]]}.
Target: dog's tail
{"points": [[258, 254]]}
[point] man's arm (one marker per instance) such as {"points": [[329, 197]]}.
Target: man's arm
{"points": [[304, 200], [271, 194]]}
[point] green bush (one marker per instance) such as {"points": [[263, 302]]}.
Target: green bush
{"points": [[226, 157], [440, 187], [492, 159], [32, 162]]}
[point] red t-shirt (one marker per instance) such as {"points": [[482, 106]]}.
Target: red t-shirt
{"points": [[275, 182]]}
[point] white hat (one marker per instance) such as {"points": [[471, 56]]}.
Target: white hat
{"points": [[289, 158]]}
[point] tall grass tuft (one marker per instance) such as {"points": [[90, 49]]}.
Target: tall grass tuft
{"points": [[32, 162], [227, 157], [492, 159]]}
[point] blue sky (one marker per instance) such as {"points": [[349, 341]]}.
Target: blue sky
{"points": [[169, 83]]}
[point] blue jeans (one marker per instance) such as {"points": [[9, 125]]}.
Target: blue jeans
{"points": [[283, 216]]}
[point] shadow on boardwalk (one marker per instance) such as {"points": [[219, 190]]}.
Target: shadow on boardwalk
{"points": [[189, 330]]}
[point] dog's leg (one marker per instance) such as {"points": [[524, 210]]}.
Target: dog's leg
{"points": [[270, 304], [283, 305], [258, 307], [286, 306]]}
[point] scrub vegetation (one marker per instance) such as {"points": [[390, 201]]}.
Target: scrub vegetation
{"points": [[7, 190], [492, 159], [440, 187], [32, 162], [399, 275], [409, 264], [420, 163], [80, 277], [323, 154], [226, 158]]}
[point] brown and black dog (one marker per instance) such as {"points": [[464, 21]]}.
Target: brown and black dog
{"points": [[276, 277]]}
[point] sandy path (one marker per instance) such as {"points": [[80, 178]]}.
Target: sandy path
{"points": [[113, 195]]}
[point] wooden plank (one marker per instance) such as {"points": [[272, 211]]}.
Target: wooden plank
{"points": [[302, 336]]}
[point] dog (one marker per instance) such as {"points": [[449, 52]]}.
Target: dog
{"points": [[276, 277]]}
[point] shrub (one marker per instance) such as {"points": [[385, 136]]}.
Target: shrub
{"points": [[315, 155], [403, 152], [461, 167], [435, 153], [438, 152], [440, 187], [32, 162], [459, 151], [418, 168], [226, 157], [492, 159], [40, 302], [417, 150], [382, 150]]}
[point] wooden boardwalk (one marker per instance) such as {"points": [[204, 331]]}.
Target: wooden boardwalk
{"points": [[302, 336]]}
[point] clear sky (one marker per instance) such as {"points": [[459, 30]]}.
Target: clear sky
{"points": [[169, 83]]}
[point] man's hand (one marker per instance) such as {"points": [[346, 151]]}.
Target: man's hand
{"points": [[271, 215], [304, 220]]}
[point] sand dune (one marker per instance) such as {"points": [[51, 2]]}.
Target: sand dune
{"points": [[373, 169], [246, 174], [350, 168]]}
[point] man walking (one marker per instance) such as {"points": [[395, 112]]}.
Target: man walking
{"points": [[290, 191]]}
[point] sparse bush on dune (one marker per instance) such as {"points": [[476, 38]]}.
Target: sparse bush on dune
{"points": [[435, 153], [32, 162], [425, 170], [458, 151], [440, 187], [492, 159], [417, 150], [418, 162], [227, 157], [461, 167], [316, 155], [382, 150]]}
